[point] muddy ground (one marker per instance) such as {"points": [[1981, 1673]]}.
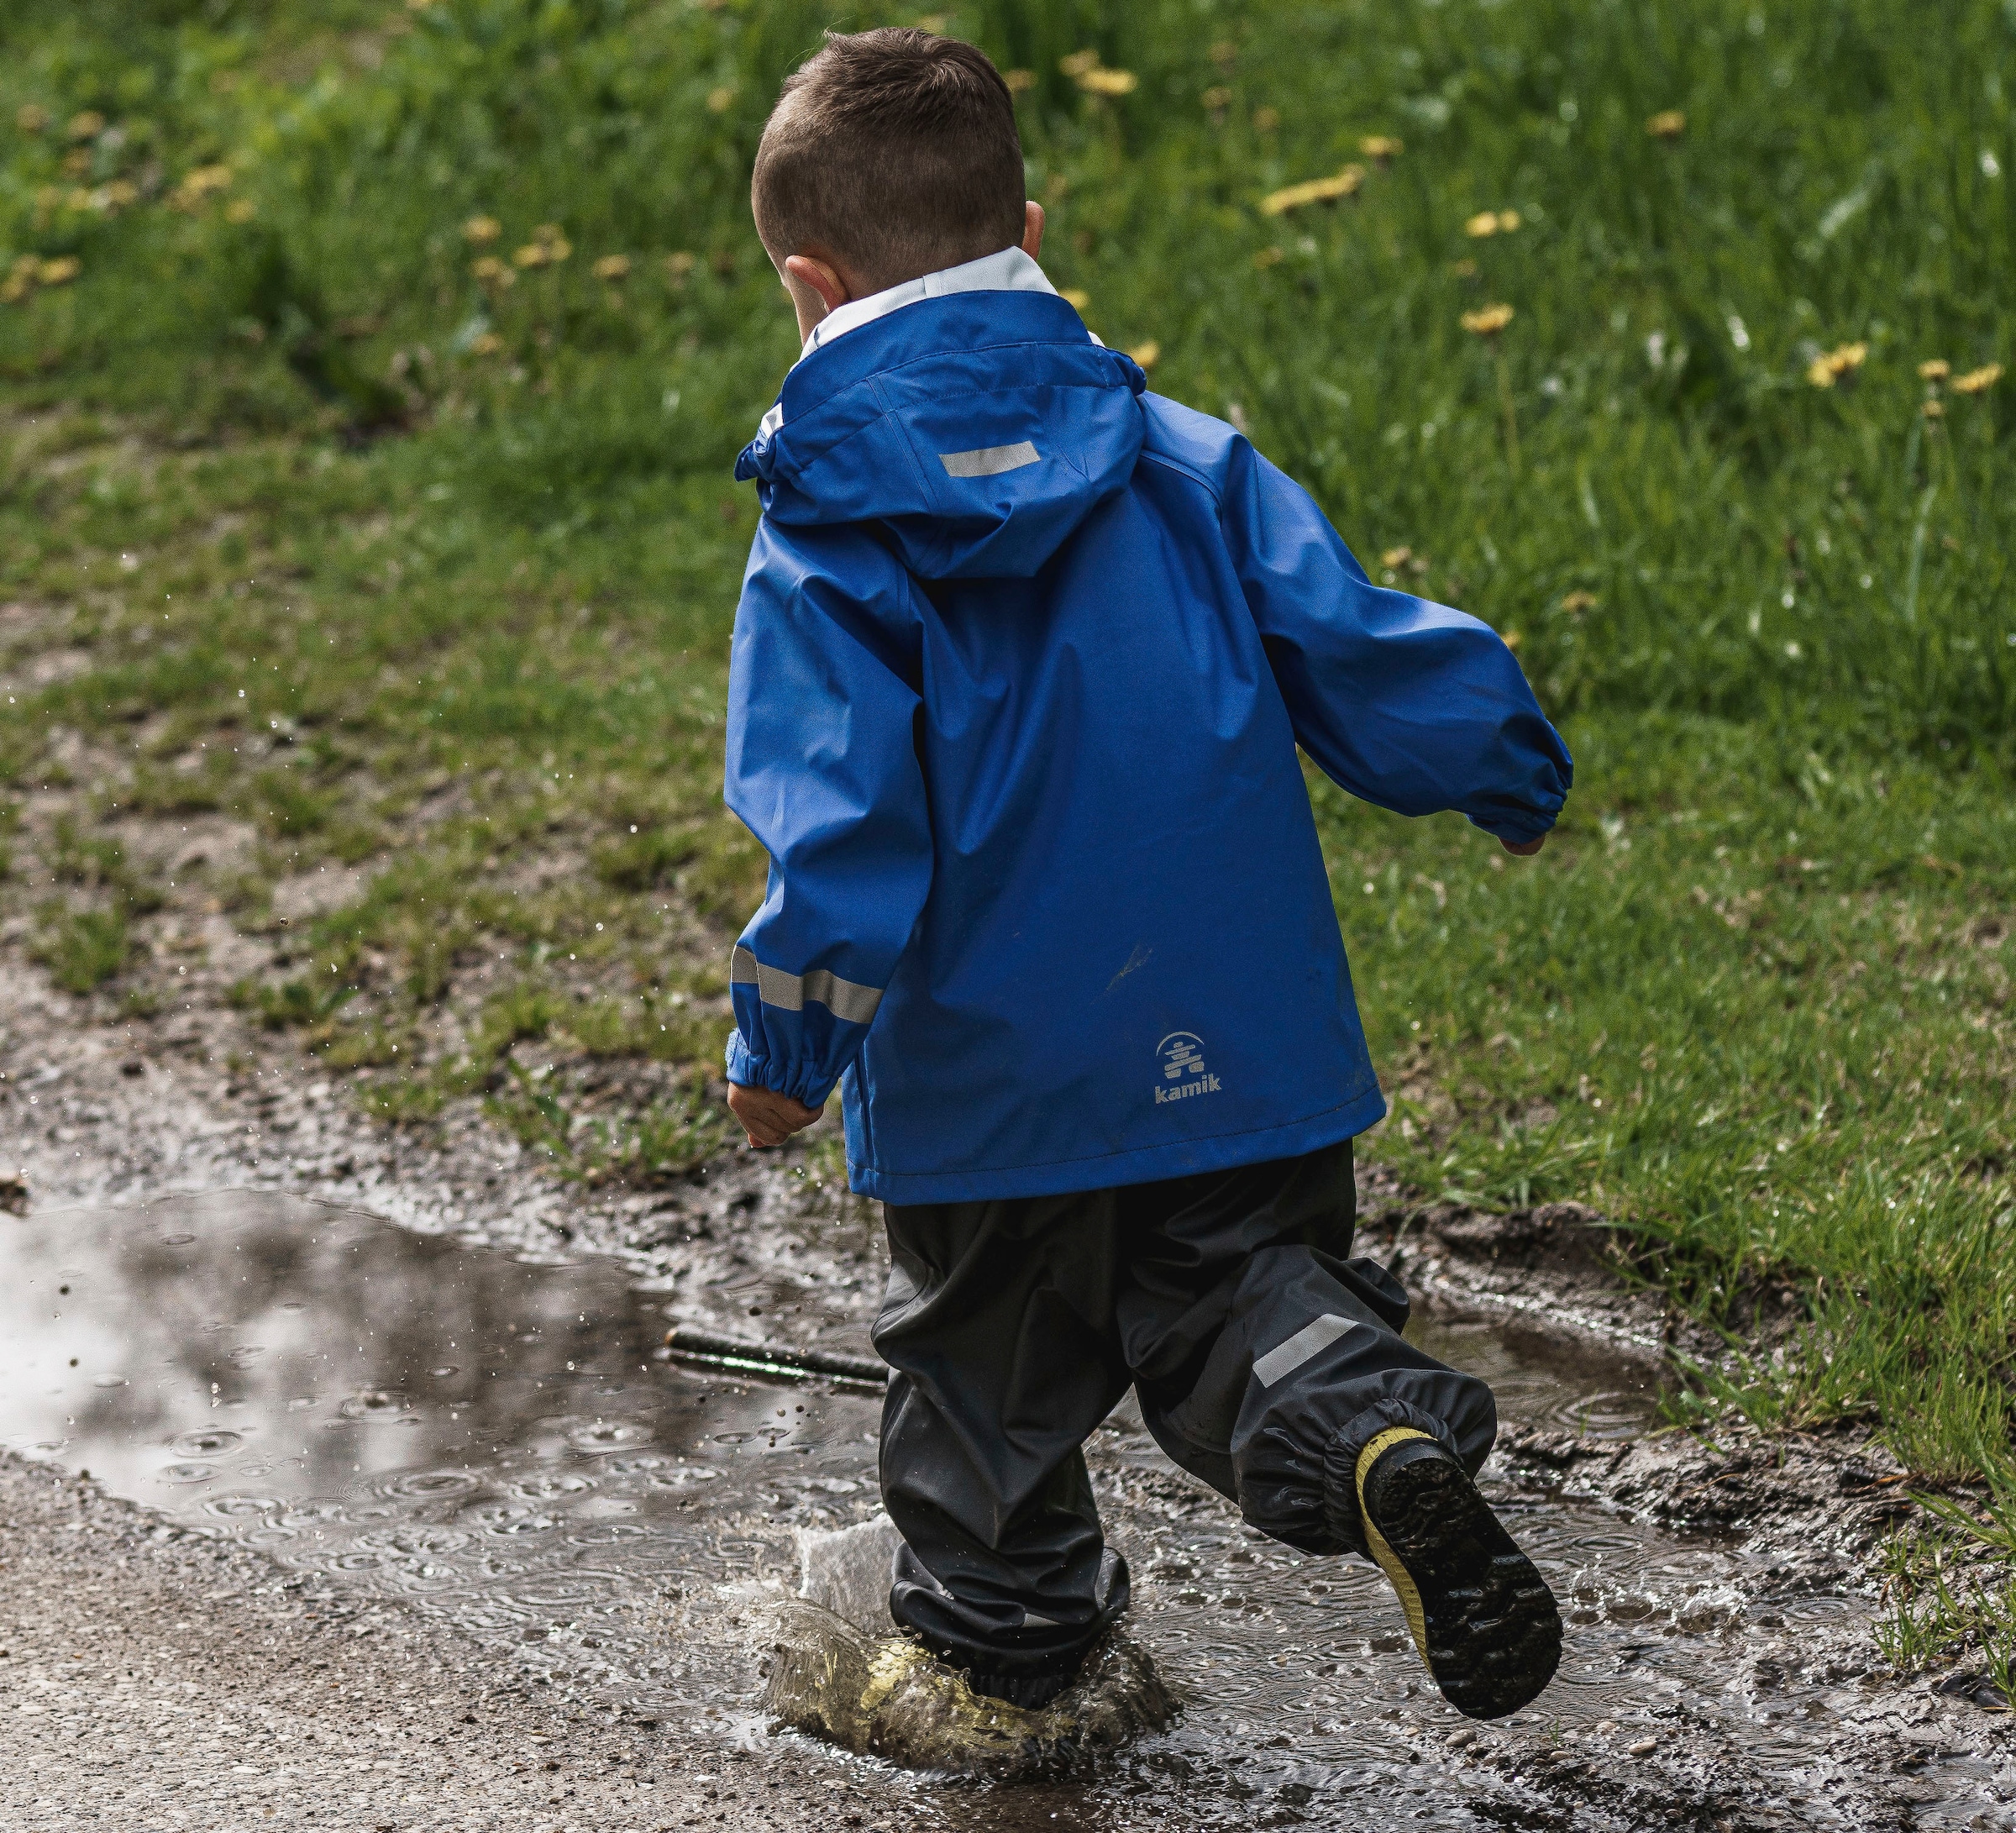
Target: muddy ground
{"points": [[98, 1109]]}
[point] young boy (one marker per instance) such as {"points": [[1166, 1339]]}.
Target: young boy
{"points": [[1022, 659]]}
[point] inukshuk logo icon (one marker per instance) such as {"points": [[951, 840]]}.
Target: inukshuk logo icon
{"points": [[1181, 1054]]}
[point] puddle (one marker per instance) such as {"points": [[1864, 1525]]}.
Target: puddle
{"points": [[498, 1440]]}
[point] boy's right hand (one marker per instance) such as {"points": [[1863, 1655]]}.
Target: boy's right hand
{"points": [[1524, 848], [767, 1117]]}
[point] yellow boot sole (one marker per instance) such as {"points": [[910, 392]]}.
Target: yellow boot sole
{"points": [[1481, 1614]]}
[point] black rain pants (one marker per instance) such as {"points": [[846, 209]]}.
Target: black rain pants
{"points": [[1265, 1361]]}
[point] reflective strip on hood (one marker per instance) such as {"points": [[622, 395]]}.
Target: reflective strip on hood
{"points": [[843, 999], [989, 461]]}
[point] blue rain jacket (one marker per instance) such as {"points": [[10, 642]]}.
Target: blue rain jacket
{"points": [[1021, 661]]}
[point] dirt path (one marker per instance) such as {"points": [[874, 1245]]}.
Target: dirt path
{"points": [[160, 1680], [151, 1679]]}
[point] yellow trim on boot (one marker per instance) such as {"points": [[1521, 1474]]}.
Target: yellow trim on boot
{"points": [[1389, 1562]]}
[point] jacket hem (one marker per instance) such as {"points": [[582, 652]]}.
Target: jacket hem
{"points": [[1145, 1164]]}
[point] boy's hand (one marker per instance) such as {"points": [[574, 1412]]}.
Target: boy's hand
{"points": [[769, 1118], [1524, 848]]}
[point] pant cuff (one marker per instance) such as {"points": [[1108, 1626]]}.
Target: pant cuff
{"points": [[1341, 1518]]}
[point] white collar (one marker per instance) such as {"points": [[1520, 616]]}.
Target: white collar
{"points": [[1010, 270]]}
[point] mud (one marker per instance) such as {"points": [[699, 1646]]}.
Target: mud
{"points": [[491, 1441], [1723, 1593]]}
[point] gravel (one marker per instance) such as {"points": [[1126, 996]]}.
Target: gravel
{"points": [[154, 1680]]}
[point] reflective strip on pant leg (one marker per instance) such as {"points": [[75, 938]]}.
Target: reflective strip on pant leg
{"points": [[1279, 1362], [989, 461], [843, 999], [1030, 1620]]}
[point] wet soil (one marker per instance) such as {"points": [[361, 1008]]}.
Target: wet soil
{"points": [[490, 1442], [1722, 1592]]}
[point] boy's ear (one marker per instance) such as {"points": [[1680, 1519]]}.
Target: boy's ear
{"points": [[816, 277], [1033, 230]]}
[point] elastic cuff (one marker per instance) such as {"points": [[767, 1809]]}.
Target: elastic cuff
{"points": [[1341, 1517], [751, 1071], [1518, 832]]}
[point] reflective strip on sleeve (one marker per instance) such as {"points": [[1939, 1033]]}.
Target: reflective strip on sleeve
{"points": [[1279, 1363], [989, 461], [843, 999]]}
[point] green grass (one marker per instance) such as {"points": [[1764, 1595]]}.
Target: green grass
{"points": [[400, 569]]}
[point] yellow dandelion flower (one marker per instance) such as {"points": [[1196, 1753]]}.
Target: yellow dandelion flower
{"points": [[1394, 559], [1933, 410], [79, 163], [1934, 370], [533, 255], [1217, 99], [199, 184], [1466, 269], [31, 118], [60, 272], [934, 23], [1577, 601], [721, 100], [612, 267], [1668, 124], [1344, 184], [1019, 82], [1223, 53], [1076, 297], [1507, 221], [1483, 223], [485, 343], [680, 265], [240, 210], [1109, 82], [1511, 639], [14, 289], [1147, 354], [1266, 257], [1488, 321], [1267, 119], [1078, 64], [1824, 371], [1382, 149], [86, 126], [479, 231], [119, 195], [1977, 381]]}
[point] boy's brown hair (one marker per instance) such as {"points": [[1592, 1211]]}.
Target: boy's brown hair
{"points": [[895, 151]]}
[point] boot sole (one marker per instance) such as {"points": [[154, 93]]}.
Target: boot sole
{"points": [[1482, 1617]]}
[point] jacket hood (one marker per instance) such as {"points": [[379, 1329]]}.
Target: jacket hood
{"points": [[979, 429]]}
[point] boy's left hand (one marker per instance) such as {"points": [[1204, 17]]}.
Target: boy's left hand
{"points": [[767, 1117]]}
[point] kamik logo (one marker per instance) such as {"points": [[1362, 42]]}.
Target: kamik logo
{"points": [[1181, 1054]]}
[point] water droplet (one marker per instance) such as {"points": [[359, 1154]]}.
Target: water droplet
{"points": [[210, 1442], [235, 1507], [429, 1486], [608, 1435], [187, 1473]]}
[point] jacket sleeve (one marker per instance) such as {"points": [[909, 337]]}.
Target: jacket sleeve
{"points": [[1401, 701], [822, 768]]}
